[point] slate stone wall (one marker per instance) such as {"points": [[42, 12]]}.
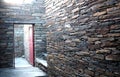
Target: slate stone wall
{"points": [[6, 45], [24, 13], [17, 14], [40, 41], [83, 38]]}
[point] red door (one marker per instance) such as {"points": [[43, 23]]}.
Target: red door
{"points": [[31, 53]]}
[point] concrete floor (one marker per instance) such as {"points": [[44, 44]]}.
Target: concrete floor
{"points": [[25, 70], [21, 62]]}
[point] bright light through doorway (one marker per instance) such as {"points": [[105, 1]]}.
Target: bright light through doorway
{"points": [[18, 1]]}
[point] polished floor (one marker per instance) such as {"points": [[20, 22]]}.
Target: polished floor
{"points": [[23, 69]]}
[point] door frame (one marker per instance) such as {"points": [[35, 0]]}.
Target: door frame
{"points": [[31, 45], [33, 24]]}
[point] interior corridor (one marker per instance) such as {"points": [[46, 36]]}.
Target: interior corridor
{"points": [[22, 69], [59, 38]]}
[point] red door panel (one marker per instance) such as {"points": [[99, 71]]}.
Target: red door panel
{"points": [[31, 53]]}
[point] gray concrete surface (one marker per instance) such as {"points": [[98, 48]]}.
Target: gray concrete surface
{"points": [[25, 70], [21, 62]]}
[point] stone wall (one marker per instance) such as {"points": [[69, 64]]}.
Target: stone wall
{"points": [[83, 38], [40, 41], [6, 45], [24, 13], [17, 14]]}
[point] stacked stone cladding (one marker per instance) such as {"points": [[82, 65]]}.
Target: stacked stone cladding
{"points": [[83, 38], [6, 45]]}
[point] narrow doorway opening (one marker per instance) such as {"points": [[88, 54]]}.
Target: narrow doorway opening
{"points": [[23, 45]]}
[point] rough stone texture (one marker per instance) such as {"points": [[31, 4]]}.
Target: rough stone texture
{"points": [[40, 41], [17, 14], [6, 45], [83, 38], [24, 13]]}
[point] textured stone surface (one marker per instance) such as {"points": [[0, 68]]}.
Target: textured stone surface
{"points": [[113, 57], [83, 38], [25, 13], [6, 45], [19, 14], [40, 41]]}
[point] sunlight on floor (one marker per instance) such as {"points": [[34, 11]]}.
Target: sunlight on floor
{"points": [[21, 62], [23, 69]]}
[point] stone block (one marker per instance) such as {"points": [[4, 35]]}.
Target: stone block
{"points": [[68, 41], [76, 9], [98, 42], [111, 2], [115, 51], [94, 32], [83, 53], [76, 40], [99, 56], [99, 36], [113, 35], [88, 72], [108, 73], [75, 16], [114, 27], [113, 57], [92, 39], [100, 13], [103, 51]]}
